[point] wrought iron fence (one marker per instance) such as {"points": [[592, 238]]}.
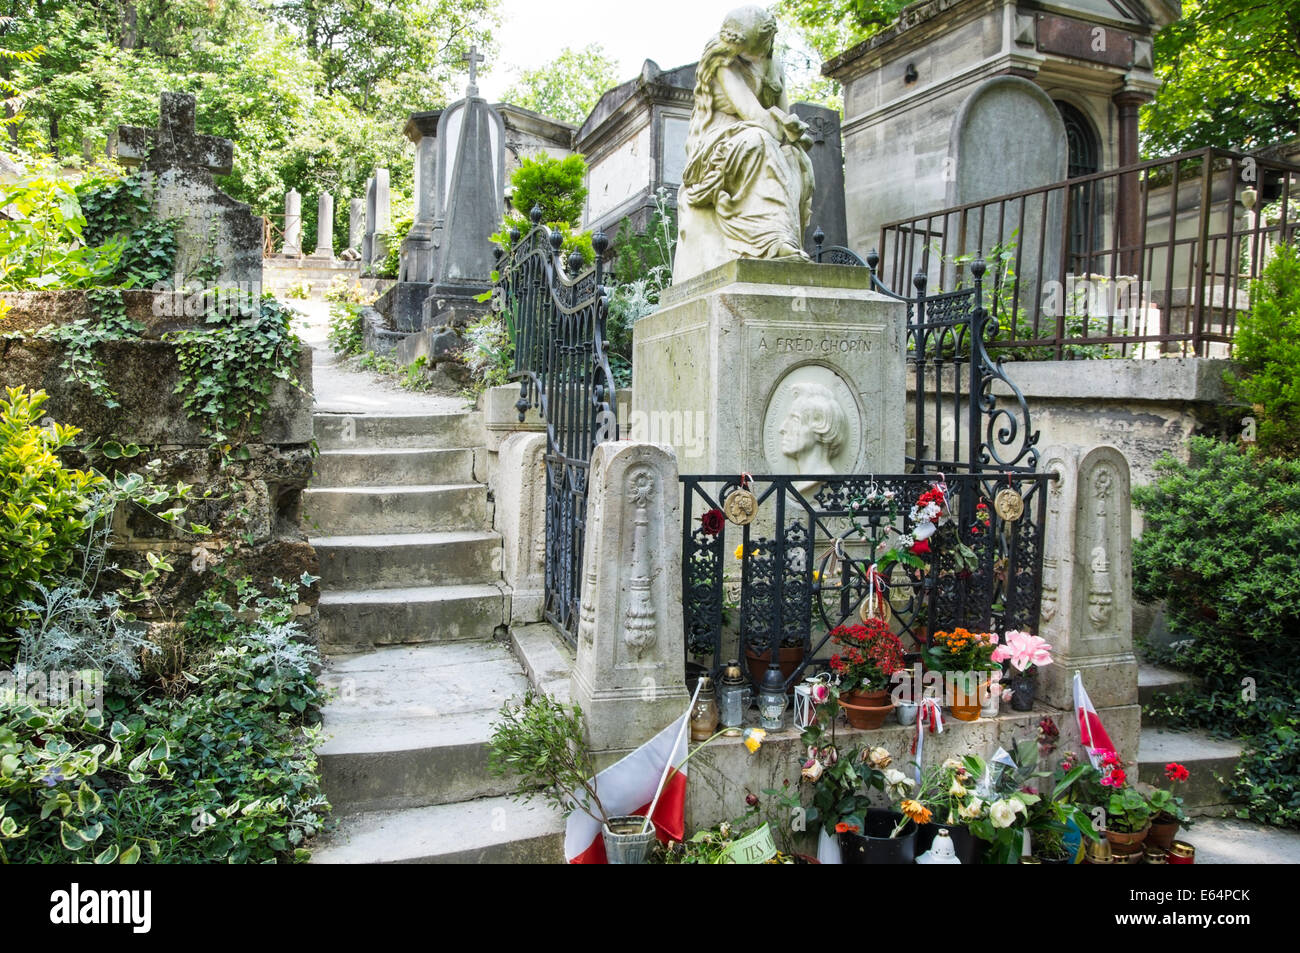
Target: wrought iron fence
{"points": [[808, 562], [1140, 261], [555, 313]]}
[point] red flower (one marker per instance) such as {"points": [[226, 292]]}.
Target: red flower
{"points": [[844, 828], [713, 522], [1176, 772], [1115, 779], [751, 799], [921, 547], [1111, 760]]}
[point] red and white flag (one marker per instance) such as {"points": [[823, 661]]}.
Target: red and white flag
{"points": [[628, 787], [1095, 740]]}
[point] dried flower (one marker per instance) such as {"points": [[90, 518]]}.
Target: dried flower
{"points": [[915, 810], [957, 790], [879, 758], [812, 770], [751, 800]]}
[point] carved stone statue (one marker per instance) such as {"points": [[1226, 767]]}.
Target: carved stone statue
{"points": [[814, 428], [747, 188]]}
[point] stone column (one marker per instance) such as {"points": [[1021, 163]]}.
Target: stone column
{"points": [[629, 676], [324, 227], [521, 521], [383, 223], [1087, 609], [1128, 203], [356, 223], [368, 239], [292, 225]]}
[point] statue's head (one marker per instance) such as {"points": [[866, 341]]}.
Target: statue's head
{"points": [[750, 30], [815, 419]]}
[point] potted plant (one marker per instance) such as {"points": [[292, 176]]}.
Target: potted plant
{"points": [[543, 743], [1055, 819], [1167, 808], [1026, 653], [1128, 812], [869, 655], [965, 658], [948, 790]]}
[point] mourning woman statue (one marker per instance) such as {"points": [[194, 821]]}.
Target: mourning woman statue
{"points": [[747, 188]]}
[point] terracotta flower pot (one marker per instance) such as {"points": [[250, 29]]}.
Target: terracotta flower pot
{"points": [[867, 709], [1164, 829], [1126, 842], [788, 658], [964, 703]]}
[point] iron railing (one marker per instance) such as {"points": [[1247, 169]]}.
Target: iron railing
{"points": [[1144, 260], [556, 313], [749, 589]]}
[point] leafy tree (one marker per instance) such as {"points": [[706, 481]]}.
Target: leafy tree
{"points": [[568, 87], [556, 185], [832, 28], [1267, 350], [1231, 71]]}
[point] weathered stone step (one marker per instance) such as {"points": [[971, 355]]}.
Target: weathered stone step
{"points": [[1204, 756], [393, 467], [493, 830], [1154, 681], [358, 620], [351, 511], [396, 560], [336, 431], [409, 727]]}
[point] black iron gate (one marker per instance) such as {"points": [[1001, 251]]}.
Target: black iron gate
{"points": [[555, 313]]}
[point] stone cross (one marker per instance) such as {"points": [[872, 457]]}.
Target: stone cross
{"points": [[473, 58], [175, 144]]}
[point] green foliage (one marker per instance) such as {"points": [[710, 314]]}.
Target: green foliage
{"points": [[347, 327], [1267, 350], [1222, 548], [568, 87], [298, 291], [1231, 77], [222, 773], [45, 508], [43, 245], [1264, 780], [118, 208], [379, 363], [415, 376], [229, 367], [643, 268], [542, 742], [390, 265], [340, 290], [489, 353], [554, 185]]}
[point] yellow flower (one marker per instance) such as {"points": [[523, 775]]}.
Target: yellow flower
{"points": [[740, 551], [754, 738], [817, 575]]}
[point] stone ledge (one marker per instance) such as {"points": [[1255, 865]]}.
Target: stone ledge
{"points": [[1189, 379]]}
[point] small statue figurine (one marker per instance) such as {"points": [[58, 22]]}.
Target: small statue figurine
{"points": [[747, 188]]}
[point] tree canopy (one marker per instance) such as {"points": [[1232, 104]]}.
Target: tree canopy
{"points": [[567, 87]]}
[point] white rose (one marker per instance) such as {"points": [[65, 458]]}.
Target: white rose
{"points": [[972, 810], [1002, 813]]}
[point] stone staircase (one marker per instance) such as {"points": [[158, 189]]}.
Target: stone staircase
{"points": [[1206, 757], [413, 617]]}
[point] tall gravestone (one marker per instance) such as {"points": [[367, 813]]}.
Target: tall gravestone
{"points": [[181, 164], [827, 154], [374, 246], [324, 227], [418, 250], [356, 224], [292, 247]]}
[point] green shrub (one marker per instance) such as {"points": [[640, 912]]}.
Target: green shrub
{"points": [[1266, 348], [391, 263], [44, 506], [222, 773], [556, 185], [347, 328]]}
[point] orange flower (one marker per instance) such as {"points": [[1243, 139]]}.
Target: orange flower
{"points": [[916, 811], [843, 828]]}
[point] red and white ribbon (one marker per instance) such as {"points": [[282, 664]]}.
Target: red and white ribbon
{"points": [[930, 714]]}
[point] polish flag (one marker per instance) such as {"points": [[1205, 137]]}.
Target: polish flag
{"points": [[1095, 740], [628, 787]]}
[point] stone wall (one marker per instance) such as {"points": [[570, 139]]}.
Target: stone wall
{"points": [[254, 508]]}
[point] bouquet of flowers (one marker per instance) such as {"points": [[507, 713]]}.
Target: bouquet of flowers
{"points": [[868, 656]]}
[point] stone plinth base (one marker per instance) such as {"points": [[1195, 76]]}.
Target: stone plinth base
{"points": [[403, 305], [773, 367]]}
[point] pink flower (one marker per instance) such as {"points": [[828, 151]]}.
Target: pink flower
{"points": [[1023, 650], [820, 692]]}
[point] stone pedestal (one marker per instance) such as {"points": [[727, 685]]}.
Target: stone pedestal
{"points": [[773, 367], [521, 508], [324, 227], [629, 676], [1087, 609], [292, 247]]}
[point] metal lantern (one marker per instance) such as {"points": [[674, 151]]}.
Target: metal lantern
{"points": [[733, 698], [772, 700], [805, 707]]}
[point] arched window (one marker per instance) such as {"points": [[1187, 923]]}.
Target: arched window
{"points": [[1085, 198]]}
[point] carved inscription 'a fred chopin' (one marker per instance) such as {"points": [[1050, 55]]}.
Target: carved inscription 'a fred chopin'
{"points": [[815, 345]]}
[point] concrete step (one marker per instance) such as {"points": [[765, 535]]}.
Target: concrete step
{"points": [[393, 467], [352, 511], [399, 560], [336, 431], [1206, 758], [354, 620], [493, 830], [546, 658], [409, 727], [1154, 681]]}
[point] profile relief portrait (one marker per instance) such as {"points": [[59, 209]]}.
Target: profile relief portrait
{"points": [[747, 187], [814, 429]]}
